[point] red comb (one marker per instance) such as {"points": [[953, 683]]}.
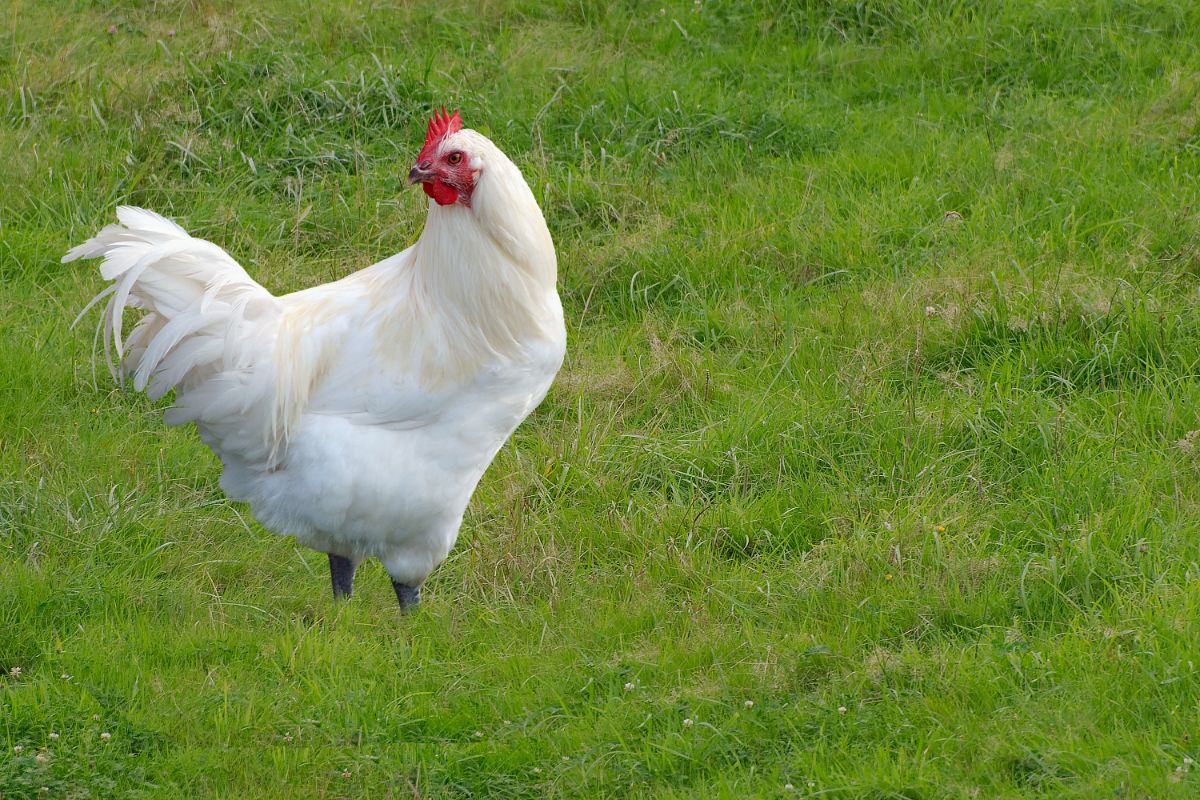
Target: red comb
{"points": [[441, 126]]}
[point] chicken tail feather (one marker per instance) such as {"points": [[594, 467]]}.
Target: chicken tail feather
{"points": [[195, 296]]}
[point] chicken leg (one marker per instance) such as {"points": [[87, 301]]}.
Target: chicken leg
{"points": [[341, 571], [409, 596]]}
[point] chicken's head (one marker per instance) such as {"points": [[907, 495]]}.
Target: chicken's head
{"points": [[444, 167]]}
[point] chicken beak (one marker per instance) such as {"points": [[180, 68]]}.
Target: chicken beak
{"points": [[418, 175]]}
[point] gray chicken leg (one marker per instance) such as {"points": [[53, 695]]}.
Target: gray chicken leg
{"points": [[341, 571], [409, 596]]}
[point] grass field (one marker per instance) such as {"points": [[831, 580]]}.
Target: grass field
{"points": [[874, 470]]}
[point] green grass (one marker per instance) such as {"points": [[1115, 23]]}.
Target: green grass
{"points": [[890, 502]]}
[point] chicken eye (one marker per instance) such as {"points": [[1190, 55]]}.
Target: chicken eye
{"points": [[454, 158]]}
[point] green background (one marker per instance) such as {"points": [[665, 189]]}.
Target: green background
{"points": [[874, 457]]}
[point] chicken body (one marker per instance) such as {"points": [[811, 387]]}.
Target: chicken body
{"points": [[357, 416]]}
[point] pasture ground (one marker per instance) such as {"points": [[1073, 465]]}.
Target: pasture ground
{"points": [[874, 471]]}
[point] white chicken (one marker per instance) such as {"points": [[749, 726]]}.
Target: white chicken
{"points": [[357, 416]]}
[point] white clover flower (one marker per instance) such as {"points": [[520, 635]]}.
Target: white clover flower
{"points": [[478, 734], [841, 709], [41, 758], [53, 735], [15, 672], [17, 748], [749, 704], [345, 773], [787, 787], [106, 736], [687, 723]]}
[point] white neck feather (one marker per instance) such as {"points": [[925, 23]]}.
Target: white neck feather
{"points": [[484, 276]]}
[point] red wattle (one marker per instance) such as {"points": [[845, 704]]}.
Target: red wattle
{"points": [[441, 193]]}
